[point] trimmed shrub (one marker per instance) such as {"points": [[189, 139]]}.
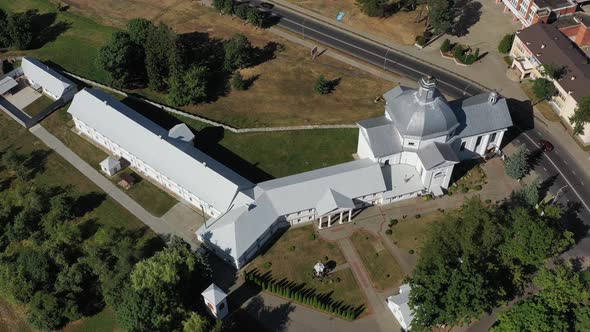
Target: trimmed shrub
{"points": [[418, 216], [478, 187], [506, 43], [464, 190], [393, 222], [389, 232], [292, 248], [411, 251], [238, 82], [421, 40], [446, 46], [267, 265], [312, 237]]}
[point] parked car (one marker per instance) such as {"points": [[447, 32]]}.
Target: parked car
{"points": [[545, 145], [266, 5]]}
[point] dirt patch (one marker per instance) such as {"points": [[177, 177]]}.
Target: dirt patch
{"points": [[12, 318]]}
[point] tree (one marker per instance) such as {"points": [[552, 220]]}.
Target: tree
{"points": [[322, 85], [446, 46], [543, 88], [145, 310], [45, 312], [530, 192], [5, 40], [516, 166], [459, 275], [581, 116], [121, 58], [238, 52], [158, 47], [440, 15], [255, 17], [242, 10], [553, 71], [374, 8], [139, 30], [20, 29], [238, 81], [506, 43], [196, 323], [190, 88]]}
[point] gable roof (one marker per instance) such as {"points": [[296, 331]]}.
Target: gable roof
{"points": [[214, 294], [185, 165], [478, 116], [182, 132], [110, 162], [46, 77], [333, 200], [402, 300], [382, 136], [548, 45], [437, 154]]}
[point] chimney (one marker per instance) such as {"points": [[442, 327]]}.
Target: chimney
{"points": [[426, 88], [204, 164], [538, 54], [492, 97], [573, 78], [542, 46]]}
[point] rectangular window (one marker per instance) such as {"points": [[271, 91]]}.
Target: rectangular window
{"points": [[493, 138], [463, 146], [478, 141], [411, 143]]}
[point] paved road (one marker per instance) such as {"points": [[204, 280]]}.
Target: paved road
{"points": [[559, 165]]}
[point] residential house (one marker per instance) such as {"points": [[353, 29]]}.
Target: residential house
{"points": [[545, 44]]}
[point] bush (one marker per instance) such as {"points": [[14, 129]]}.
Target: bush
{"points": [[488, 201], [267, 265], [506, 43], [292, 248], [389, 232], [427, 197], [322, 85], [312, 237], [478, 187], [458, 51], [446, 46], [326, 258], [464, 190], [418, 216], [411, 251], [421, 40], [450, 193], [393, 222], [238, 82]]}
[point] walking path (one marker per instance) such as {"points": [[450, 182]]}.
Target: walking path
{"points": [[158, 225]]}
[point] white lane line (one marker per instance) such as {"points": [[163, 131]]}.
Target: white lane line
{"points": [[539, 134], [369, 52], [563, 176], [574, 172], [565, 162], [545, 169], [582, 183]]}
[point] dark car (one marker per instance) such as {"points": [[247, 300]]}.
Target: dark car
{"points": [[545, 145], [266, 5]]}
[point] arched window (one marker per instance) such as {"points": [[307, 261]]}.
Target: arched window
{"points": [[439, 174]]}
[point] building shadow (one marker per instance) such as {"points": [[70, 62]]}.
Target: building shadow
{"points": [[274, 319], [521, 113], [468, 13], [573, 222], [207, 139]]}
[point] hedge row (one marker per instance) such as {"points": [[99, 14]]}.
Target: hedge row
{"points": [[270, 285]]}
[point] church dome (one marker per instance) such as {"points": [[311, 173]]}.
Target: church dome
{"points": [[421, 113]]}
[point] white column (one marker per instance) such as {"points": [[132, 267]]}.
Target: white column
{"points": [[341, 213], [485, 140], [320, 223], [329, 220], [349, 215]]}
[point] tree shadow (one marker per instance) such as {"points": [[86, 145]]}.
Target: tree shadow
{"points": [[88, 202], [533, 159], [546, 185], [36, 161], [572, 221], [273, 318], [267, 53], [468, 13], [46, 29]]}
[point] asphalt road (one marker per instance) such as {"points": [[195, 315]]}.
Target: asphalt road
{"points": [[558, 168]]}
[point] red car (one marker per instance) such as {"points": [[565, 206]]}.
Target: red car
{"points": [[545, 145]]}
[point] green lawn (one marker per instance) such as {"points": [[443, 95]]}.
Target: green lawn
{"points": [[75, 49], [58, 172], [382, 267], [542, 105], [293, 257], [104, 321], [38, 105], [148, 195], [410, 233]]}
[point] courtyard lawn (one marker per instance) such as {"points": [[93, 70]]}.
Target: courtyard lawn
{"points": [[400, 28], [148, 195], [542, 105], [410, 233], [468, 176], [293, 257], [384, 271], [38, 105]]}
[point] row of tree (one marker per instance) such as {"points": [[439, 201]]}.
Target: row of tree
{"points": [[17, 30], [189, 67], [243, 10], [561, 303], [481, 257], [64, 265], [301, 296]]}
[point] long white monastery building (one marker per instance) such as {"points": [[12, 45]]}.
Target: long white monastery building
{"points": [[409, 151]]}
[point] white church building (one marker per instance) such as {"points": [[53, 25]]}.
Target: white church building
{"points": [[409, 151]]}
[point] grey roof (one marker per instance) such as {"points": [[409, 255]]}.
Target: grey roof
{"points": [[187, 166], [6, 84], [478, 116], [437, 154], [383, 138], [422, 113], [110, 162], [401, 179], [237, 230], [46, 77], [402, 301], [302, 191], [214, 294], [182, 132], [333, 200]]}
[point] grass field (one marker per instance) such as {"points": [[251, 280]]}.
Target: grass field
{"points": [[293, 256], [543, 106], [147, 194], [399, 28], [58, 172], [38, 105], [382, 267], [281, 95], [410, 233]]}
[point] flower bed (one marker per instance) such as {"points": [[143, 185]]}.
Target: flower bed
{"points": [[461, 54]]}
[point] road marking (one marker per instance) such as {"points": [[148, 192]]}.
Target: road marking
{"points": [[369, 52], [574, 172], [539, 134], [582, 183], [545, 169], [562, 175], [565, 162]]}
